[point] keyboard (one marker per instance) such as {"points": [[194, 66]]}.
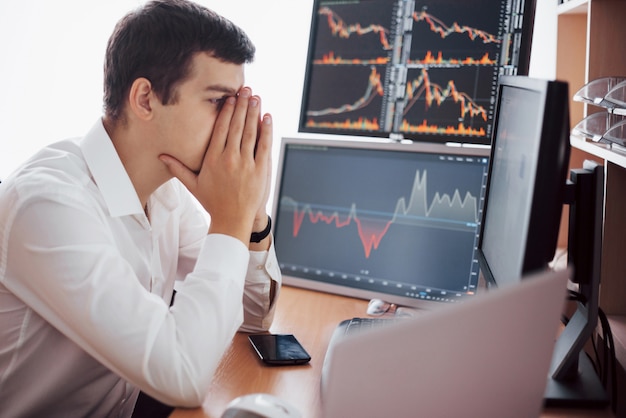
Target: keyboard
{"points": [[358, 324], [353, 326]]}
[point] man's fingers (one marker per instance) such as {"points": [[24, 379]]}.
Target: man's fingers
{"points": [[238, 120], [264, 142], [222, 126], [180, 171], [252, 126]]}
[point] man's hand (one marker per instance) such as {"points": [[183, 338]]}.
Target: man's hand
{"points": [[234, 180]]}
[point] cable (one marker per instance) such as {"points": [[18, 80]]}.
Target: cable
{"points": [[576, 296], [610, 356]]}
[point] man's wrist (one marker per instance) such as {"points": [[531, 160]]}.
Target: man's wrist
{"points": [[259, 222], [259, 236]]}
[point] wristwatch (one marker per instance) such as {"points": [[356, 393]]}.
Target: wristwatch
{"points": [[260, 236]]}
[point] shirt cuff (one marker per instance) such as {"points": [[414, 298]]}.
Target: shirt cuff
{"points": [[223, 253], [259, 310], [263, 264]]}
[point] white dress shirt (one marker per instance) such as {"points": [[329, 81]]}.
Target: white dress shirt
{"points": [[86, 281]]}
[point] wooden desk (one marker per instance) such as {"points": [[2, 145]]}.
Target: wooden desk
{"points": [[311, 317]]}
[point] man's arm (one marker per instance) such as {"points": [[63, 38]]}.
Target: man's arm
{"points": [[233, 186], [78, 279]]}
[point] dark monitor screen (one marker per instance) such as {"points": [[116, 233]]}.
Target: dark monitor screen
{"points": [[424, 71], [527, 178], [380, 219]]}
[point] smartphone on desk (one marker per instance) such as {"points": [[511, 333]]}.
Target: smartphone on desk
{"points": [[279, 349]]}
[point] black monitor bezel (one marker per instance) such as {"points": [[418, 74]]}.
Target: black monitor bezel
{"points": [[549, 189]]}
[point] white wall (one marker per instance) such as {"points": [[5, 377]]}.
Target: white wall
{"points": [[52, 54], [543, 56]]}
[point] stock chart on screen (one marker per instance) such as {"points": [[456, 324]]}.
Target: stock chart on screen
{"points": [[404, 69], [402, 221]]}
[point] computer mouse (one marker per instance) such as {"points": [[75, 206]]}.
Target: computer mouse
{"points": [[377, 307], [260, 405]]}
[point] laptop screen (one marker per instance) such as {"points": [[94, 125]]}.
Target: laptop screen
{"points": [[382, 220]]}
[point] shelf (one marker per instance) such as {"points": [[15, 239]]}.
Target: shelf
{"points": [[590, 45], [603, 151]]}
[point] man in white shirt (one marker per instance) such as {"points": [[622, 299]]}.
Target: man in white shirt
{"points": [[94, 232]]}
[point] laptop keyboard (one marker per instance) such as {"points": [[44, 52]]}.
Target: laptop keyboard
{"points": [[353, 326], [357, 324]]}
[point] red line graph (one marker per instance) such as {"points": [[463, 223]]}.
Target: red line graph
{"points": [[371, 232]]}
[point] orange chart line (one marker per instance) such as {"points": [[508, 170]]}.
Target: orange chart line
{"points": [[421, 86], [340, 28], [434, 93], [374, 87], [443, 30]]}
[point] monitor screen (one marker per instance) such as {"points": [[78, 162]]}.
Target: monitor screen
{"points": [[388, 220], [527, 179], [424, 71]]}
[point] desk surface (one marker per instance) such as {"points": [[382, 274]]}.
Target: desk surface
{"points": [[312, 317]]}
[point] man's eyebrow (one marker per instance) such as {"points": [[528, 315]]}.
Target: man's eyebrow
{"points": [[221, 89]]}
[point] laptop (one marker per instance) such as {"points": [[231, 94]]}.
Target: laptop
{"points": [[486, 357]]}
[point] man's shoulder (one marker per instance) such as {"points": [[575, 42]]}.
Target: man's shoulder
{"points": [[58, 166]]}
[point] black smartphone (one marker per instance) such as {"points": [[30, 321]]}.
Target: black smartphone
{"points": [[279, 349]]}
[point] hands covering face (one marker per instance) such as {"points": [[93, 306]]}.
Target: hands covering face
{"points": [[234, 180]]}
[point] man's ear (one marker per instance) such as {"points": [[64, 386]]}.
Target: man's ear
{"points": [[139, 98]]}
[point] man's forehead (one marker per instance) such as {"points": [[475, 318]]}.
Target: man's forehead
{"points": [[216, 74]]}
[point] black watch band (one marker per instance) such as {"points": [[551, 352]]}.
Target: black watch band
{"points": [[260, 236]]}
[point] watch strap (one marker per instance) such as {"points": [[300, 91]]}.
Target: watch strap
{"points": [[261, 235]]}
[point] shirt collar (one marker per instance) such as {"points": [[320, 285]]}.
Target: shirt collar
{"points": [[109, 173]]}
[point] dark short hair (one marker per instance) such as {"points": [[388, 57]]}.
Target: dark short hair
{"points": [[158, 41]]}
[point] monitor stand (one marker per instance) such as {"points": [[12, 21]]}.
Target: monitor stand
{"points": [[573, 381], [583, 389]]}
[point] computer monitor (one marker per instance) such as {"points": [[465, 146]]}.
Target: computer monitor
{"points": [[380, 219], [424, 71], [525, 193], [527, 176]]}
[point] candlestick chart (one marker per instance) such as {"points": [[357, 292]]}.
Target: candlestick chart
{"points": [[424, 70]]}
